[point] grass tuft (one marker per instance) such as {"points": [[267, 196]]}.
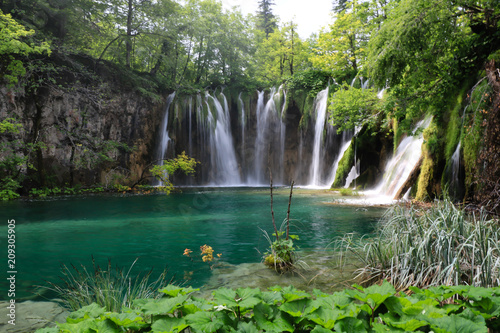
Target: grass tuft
{"points": [[440, 245], [112, 288]]}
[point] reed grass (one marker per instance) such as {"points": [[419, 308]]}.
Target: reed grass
{"points": [[111, 287], [441, 245]]}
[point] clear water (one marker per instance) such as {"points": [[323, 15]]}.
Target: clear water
{"points": [[157, 229]]}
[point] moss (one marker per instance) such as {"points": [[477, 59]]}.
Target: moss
{"points": [[398, 133], [345, 166], [472, 134], [430, 148], [425, 179]]}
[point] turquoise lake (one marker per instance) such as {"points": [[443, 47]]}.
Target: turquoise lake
{"points": [[158, 228]]}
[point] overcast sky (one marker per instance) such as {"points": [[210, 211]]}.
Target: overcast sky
{"points": [[310, 15]]}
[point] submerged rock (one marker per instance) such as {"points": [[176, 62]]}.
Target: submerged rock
{"points": [[30, 316]]}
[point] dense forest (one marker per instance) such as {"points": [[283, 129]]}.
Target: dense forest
{"points": [[430, 57]]}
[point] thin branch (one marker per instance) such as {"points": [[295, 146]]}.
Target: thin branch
{"points": [[288, 211], [272, 211]]}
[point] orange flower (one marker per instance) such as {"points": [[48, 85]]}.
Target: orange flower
{"points": [[187, 252], [219, 255]]}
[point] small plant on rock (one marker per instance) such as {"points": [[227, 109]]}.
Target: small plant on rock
{"points": [[281, 253]]}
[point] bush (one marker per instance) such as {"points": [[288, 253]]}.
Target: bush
{"points": [[430, 247], [379, 308], [111, 288]]}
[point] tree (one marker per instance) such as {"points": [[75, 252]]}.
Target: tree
{"points": [[164, 171], [266, 18], [426, 48], [342, 48], [339, 5], [14, 45]]}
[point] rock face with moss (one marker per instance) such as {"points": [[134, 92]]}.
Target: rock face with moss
{"points": [[91, 124]]}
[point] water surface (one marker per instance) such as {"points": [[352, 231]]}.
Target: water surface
{"points": [[157, 228]]}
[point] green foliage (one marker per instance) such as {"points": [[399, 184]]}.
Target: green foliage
{"points": [[351, 107], [428, 247], [310, 80], [181, 163], [344, 167], [473, 128], [378, 308], [104, 289], [14, 158], [13, 46]]}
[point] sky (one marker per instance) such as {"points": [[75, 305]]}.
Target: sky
{"points": [[310, 15]]}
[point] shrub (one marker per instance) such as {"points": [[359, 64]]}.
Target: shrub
{"points": [[110, 288], [430, 247]]}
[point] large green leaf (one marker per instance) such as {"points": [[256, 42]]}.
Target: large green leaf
{"points": [[271, 319], [374, 295], [205, 322], [291, 293], [225, 296], [89, 325], [327, 317], [350, 324], [272, 297], [298, 308], [174, 291], [406, 323], [248, 297], [169, 324], [247, 328], [127, 320], [163, 305], [320, 329], [89, 311], [461, 323]]}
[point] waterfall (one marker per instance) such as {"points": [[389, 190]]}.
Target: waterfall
{"points": [[237, 145], [223, 157], [454, 187], [315, 173], [164, 137], [269, 152], [346, 142], [404, 160]]}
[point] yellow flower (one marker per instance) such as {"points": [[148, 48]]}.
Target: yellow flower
{"points": [[219, 255]]}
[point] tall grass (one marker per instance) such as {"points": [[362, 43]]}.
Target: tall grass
{"points": [[441, 245], [112, 288]]}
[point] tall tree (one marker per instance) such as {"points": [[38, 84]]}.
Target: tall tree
{"points": [[266, 18]]}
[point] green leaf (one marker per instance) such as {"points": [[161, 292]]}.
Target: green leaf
{"points": [[271, 319], [173, 291], [225, 296], [248, 297], [127, 320], [404, 322], [290, 293], [163, 305], [320, 329], [204, 321], [169, 324], [380, 328], [464, 322], [246, 327], [350, 324], [89, 311], [327, 317], [298, 308], [373, 296], [272, 297]]}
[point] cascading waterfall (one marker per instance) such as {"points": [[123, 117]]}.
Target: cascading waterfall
{"points": [[455, 172], [236, 152], [269, 125], [223, 156], [402, 163], [315, 178], [165, 138]]}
